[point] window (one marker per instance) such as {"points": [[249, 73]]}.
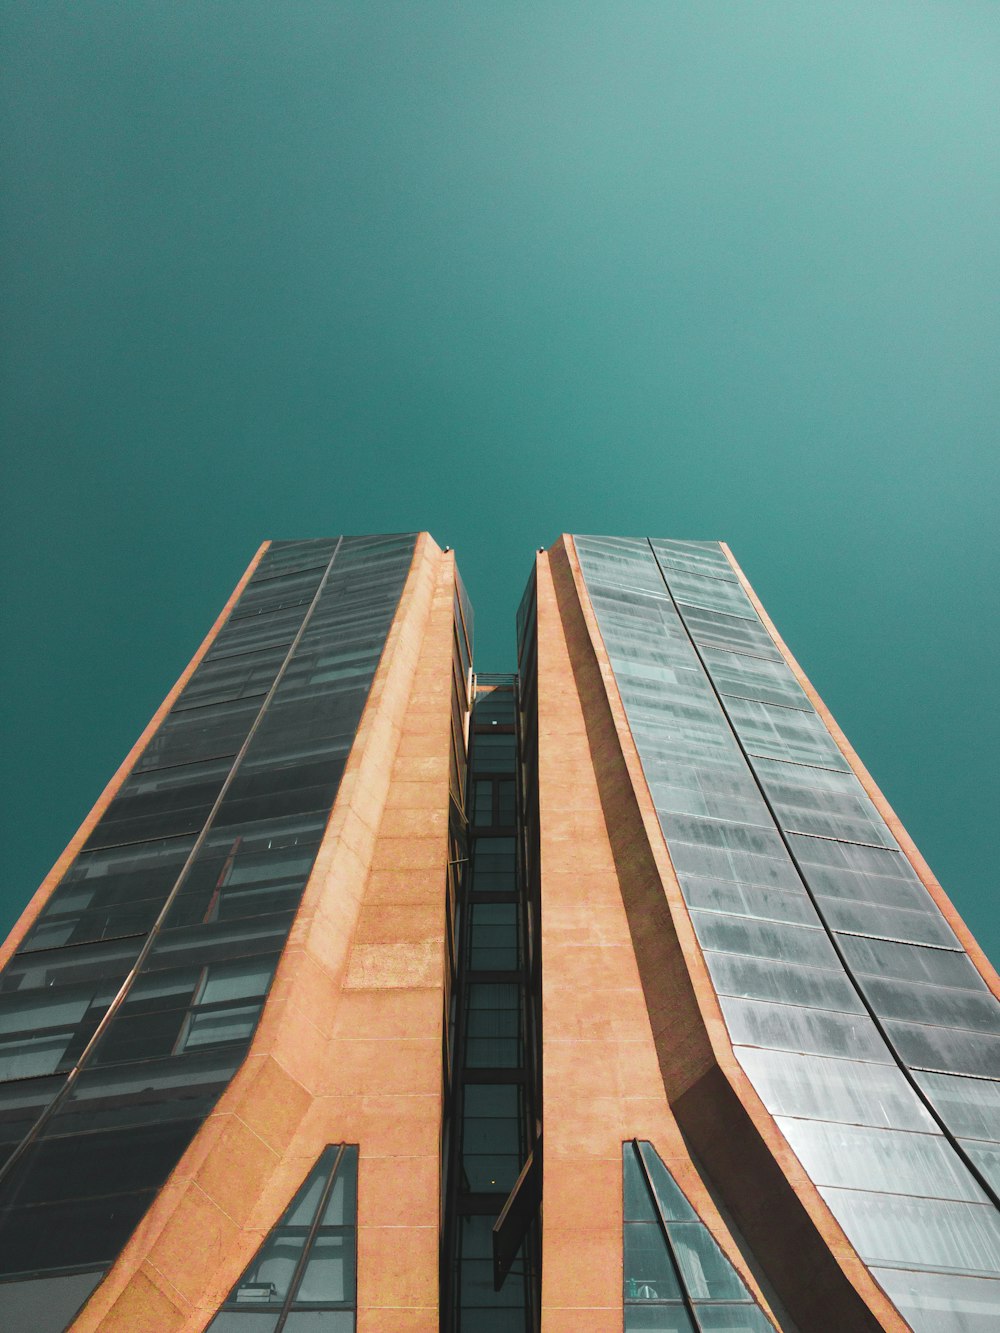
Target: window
{"points": [[677, 1279], [304, 1274]]}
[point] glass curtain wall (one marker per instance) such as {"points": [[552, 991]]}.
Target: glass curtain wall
{"points": [[492, 1100], [851, 1004], [133, 999]]}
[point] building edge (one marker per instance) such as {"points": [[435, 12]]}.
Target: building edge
{"points": [[49, 884], [908, 847]]}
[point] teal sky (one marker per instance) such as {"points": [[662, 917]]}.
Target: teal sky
{"points": [[503, 270]]}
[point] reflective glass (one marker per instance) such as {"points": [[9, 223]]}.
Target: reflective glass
{"points": [[672, 1201], [491, 1138], [771, 732], [657, 1319], [493, 937], [880, 1159], [986, 1157], [493, 1025], [329, 1271], [243, 1321], [319, 1321], [969, 1106], [342, 1205], [45, 1305], [268, 1280], [732, 1319], [909, 962], [707, 1273], [898, 923], [950, 1049], [788, 1028], [768, 979], [649, 1271], [638, 1202], [943, 1303], [765, 939], [719, 895], [919, 1233], [940, 1005], [819, 1088]]}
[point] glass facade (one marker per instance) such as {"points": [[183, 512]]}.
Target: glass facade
{"points": [[493, 1056], [134, 996], [851, 1004]]}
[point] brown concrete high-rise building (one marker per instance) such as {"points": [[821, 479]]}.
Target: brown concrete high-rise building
{"points": [[379, 994]]}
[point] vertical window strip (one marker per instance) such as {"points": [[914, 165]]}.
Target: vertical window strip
{"points": [[721, 1286], [337, 1164]]}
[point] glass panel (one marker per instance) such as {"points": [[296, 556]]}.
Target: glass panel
{"points": [[493, 863], [898, 923], [493, 754], [940, 1005], [219, 1026], [969, 1106], [817, 1031], [909, 962], [706, 558], [45, 1305], [243, 1321], [319, 1321], [27, 1057], [302, 1209], [342, 1206], [481, 1306], [784, 733], [707, 1273], [767, 979], [986, 1157], [234, 981], [657, 1319], [949, 1049], [880, 1159], [732, 1319], [507, 802], [491, 1141], [819, 1088], [942, 1303], [919, 1233], [638, 1201], [493, 937], [720, 895], [649, 1272], [754, 678], [329, 1272], [267, 1281], [673, 1203], [766, 939], [493, 1026], [482, 802]]}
